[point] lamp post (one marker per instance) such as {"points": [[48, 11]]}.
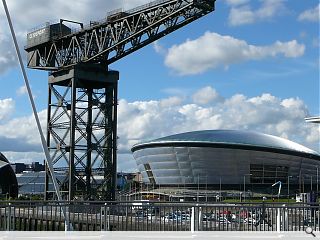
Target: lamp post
{"points": [[184, 188], [289, 187], [220, 188], [206, 188], [317, 179], [279, 190], [244, 186], [198, 189]]}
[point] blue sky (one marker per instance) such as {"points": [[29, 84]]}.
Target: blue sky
{"points": [[250, 65]]}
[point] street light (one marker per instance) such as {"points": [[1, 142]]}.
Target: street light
{"points": [[220, 188], [198, 189], [206, 188], [244, 186], [279, 190], [317, 179], [289, 187], [299, 177]]}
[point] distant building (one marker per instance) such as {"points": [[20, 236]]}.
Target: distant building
{"points": [[18, 167], [30, 182], [137, 177], [37, 167], [33, 182], [33, 167]]}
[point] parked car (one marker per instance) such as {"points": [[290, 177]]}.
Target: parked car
{"points": [[310, 221], [250, 220], [141, 214], [223, 220]]}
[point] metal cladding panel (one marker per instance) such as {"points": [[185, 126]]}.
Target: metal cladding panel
{"points": [[207, 165], [167, 173], [164, 165], [155, 151], [158, 158], [170, 180]]}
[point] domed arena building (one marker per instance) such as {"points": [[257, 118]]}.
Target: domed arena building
{"points": [[8, 180], [228, 157]]}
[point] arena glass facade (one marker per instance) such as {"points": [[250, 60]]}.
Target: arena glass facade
{"points": [[8, 180], [227, 156]]}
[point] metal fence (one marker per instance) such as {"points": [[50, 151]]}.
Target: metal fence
{"points": [[157, 216]]}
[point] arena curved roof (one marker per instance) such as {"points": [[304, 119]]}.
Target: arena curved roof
{"points": [[231, 138], [3, 160], [8, 180]]}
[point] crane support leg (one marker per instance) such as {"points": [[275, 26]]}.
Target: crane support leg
{"points": [[82, 132]]}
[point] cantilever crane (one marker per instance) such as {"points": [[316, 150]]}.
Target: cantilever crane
{"points": [[82, 102]]}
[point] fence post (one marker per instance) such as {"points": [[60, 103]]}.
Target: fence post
{"points": [[278, 220], [195, 218], [200, 219], [192, 219], [104, 218], [9, 217], [285, 219]]}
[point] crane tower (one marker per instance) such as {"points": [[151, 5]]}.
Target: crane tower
{"points": [[82, 90]]}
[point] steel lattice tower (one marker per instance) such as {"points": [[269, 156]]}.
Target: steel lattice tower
{"points": [[82, 102], [81, 133]]}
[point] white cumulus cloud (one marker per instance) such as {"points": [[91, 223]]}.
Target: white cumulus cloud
{"points": [[213, 50], [266, 113], [244, 14], [236, 2], [6, 108], [22, 91], [311, 15], [23, 131], [145, 120], [206, 95]]}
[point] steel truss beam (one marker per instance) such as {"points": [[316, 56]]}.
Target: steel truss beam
{"points": [[117, 35], [81, 133]]}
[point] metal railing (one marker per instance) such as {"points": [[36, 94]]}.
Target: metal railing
{"points": [[157, 216]]}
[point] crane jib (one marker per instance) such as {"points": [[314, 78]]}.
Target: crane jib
{"points": [[120, 33]]}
